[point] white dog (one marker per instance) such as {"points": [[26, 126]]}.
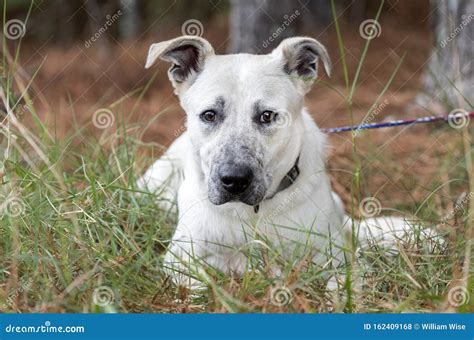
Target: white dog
{"points": [[252, 161]]}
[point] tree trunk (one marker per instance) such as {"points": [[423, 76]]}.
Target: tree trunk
{"points": [[100, 12], [130, 24], [449, 79], [258, 26]]}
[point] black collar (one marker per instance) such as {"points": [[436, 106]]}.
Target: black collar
{"points": [[287, 181]]}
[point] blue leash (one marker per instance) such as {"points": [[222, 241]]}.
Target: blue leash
{"points": [[462, 117]]}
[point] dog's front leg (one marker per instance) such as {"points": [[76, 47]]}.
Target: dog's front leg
{"points": [[183, 262], [165, 176], [188, 257]]}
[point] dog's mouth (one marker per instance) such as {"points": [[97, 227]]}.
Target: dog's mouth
{"points": [[252, 196]]}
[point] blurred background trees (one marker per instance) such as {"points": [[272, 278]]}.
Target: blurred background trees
{"points": [[67, 21], [249, 20], [450, 72], [257, 26]]}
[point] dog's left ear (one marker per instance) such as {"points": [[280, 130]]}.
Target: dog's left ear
{"points": [[300, 57], [187, 54]]}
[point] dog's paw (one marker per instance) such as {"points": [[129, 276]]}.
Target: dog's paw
{"points": [[390, 233]]}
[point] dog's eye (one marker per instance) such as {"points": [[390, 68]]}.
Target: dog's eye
{"points": [[209, 116], [267, 117]]}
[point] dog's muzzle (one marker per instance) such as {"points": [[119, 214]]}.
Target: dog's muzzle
{"points": [[232, 181]]}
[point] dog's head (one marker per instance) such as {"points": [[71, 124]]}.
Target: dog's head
{"points": [[243, 111]]}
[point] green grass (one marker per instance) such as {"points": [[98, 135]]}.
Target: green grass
{"points": [[81, 225], [77, 236]]}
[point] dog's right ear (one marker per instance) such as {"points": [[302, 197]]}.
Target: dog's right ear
{"points": [[187, 55], [300, 57]]}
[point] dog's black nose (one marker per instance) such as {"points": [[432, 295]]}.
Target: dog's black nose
{"points": [[236, 178]]}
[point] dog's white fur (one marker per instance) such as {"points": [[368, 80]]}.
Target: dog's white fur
{"points": [[305, 217]]}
